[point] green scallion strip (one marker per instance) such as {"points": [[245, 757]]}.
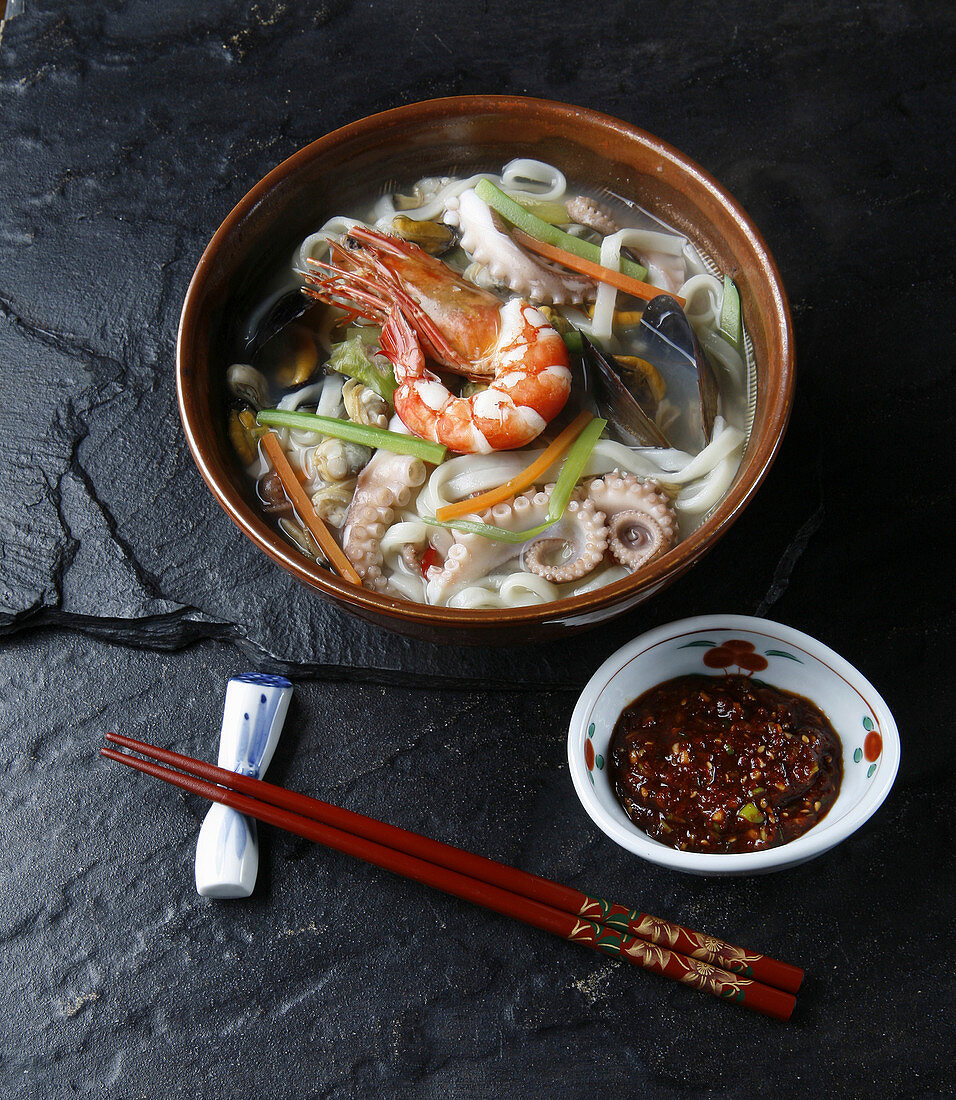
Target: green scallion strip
{"points": [[731, 323], [577, 456], [355, 433], [554, 213], [524, 220]]}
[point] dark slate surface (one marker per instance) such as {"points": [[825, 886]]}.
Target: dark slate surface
{"points": [[127, 132]]}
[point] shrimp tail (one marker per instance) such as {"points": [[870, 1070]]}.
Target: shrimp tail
{"points": [[421, 398]]}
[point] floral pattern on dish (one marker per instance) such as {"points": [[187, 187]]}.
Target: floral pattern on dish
{"points": [[590, 759], [736, 653], [872, 747]]}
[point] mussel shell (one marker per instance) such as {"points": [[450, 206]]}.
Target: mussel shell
{"points": [[583, 387], [288, 307], [433, 237], [667, 340], [615, 401]]}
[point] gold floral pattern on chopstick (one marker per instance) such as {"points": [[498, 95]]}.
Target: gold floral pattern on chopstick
{"points": [[708, 949], [661, 959], [658, 931]]}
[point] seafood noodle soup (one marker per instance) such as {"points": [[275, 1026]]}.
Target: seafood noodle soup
{"points": [[492, 391]]}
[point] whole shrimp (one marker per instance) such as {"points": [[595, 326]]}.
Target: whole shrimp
{"points": [[427, 310]]}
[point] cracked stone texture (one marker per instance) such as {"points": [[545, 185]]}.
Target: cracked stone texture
{"points": [[340, 980], [127, 132]]}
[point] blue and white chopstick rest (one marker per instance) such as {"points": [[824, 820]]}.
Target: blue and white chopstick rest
{"points": [[227, 853]]}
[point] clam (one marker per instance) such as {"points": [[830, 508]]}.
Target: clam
{"points": [[248, 384], [337, 460], [363, 405], [331, 502], [666, 339], [301, 537]]}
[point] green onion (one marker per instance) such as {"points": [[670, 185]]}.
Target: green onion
{"points": [[524, 220], [353, 359], [751, 813], [355, 433], [577, 456], [573, 341], [731, 324], [554, 213]]}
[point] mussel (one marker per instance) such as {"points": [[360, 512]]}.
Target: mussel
{"points": [[666, 339], [279, 314], [435, 238], [611, 397], [670, 369], [279, 344]]}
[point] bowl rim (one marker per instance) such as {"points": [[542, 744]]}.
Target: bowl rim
{"points": [[818, 840], [621, 593]]}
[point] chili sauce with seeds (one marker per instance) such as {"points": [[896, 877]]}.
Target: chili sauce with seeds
{"points": [[724, 764]]}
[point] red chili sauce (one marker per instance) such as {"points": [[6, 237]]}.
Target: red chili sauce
{"points": [[724, 764]]}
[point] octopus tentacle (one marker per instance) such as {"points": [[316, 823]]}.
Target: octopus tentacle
{"points": [[509, 264], [635, 537], [588, 212], [641, 521], [412, 556], [385, 484], [619, 514], [583, 532], [471, 556]]}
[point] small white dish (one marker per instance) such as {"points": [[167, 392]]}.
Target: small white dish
{"points": [[793, 662]]}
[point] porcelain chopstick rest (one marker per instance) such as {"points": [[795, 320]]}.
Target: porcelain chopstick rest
{"points": [[227, 852]]}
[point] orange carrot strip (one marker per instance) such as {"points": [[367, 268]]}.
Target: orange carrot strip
{"points": [[593, 270], [521, 481], [302, 504]]}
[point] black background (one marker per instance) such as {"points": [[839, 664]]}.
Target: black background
{"points": [[127, 599]]}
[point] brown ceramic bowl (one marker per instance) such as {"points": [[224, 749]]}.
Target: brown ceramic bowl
{"points": [[471, 133]]}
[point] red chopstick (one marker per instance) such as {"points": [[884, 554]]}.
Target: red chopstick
{"points": [[595, 923], [738, 960]]}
